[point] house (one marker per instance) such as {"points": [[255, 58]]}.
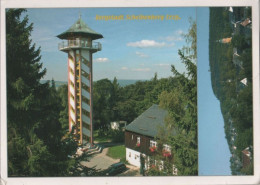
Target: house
{"points": [[244, 81], [246, 22], [230, 9], [225, 40], [246, 157], [117, 125], [140, 139]]}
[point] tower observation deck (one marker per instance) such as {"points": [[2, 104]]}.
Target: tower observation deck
{"points": [[78, 44]]}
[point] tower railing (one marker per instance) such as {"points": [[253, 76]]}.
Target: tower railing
{"points": [[70, 44]]}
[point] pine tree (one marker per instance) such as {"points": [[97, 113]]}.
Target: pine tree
{"points": [[35, 147]]}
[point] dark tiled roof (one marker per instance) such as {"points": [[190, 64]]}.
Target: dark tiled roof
{"points": [[148, 122], [79, 28]]}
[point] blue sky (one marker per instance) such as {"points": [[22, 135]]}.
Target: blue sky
{"points": [[213, 149], [131, 49]]}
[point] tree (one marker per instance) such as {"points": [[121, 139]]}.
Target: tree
{"points": [[35, 146], [181, 103], [103, 104], [64, 116]]}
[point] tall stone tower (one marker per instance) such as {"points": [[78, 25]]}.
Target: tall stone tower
{"points": [[79, 46]]}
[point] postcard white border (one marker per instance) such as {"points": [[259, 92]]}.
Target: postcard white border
{"points": [[133, 180]]}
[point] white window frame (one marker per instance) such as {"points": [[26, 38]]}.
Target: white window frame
{"points": [[167, 148], [153, 143], [161, 165], [138, 140], [174, 170]]}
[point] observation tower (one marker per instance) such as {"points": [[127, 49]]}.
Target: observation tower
{"points": [[78, 44]]}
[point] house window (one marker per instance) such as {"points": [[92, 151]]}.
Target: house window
{"points": [[153, 143], [174, 170], [138, 140], [152, 163], [167, 148], [166, 151], [161, 165], [130, 154], [136, 156]]}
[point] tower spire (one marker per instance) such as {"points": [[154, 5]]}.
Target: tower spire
{"points": [[79, 14]]}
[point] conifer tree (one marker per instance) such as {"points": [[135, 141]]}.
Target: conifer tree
{"points": [[35, 147]]}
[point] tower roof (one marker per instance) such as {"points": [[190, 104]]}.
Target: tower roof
{"points": [[80, 28]]}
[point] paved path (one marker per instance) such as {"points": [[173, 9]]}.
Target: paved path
{"points": [[100, 161]]}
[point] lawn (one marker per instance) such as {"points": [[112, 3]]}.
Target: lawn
{"points": [[117, 152]]}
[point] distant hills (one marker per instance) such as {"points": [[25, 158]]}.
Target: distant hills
{"points": [[57, 83], [122, 83]]}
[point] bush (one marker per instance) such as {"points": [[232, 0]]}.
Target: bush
{"points": [[117, 135]]}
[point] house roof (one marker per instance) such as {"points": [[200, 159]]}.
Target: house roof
{"points": [[81, 29], [148, 122]]}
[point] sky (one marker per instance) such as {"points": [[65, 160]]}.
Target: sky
{"points": [[131, 49], [214, 154]]}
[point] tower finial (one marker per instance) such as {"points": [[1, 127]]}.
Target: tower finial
{"points": [[79, 14]]}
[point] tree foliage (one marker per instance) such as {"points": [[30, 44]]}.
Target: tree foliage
{"points": [[181, 103], [115, 103], [227, 71], [35, 144]]}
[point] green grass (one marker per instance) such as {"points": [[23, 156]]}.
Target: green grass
{"points": [[117, 152]]}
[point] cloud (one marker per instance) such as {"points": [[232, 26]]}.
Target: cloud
{"points": [[179, 32], [173, 38], [177, 36], [101, 60], [162, 65], [141, 54], [146, 44], [124, 68], [142, 69]]}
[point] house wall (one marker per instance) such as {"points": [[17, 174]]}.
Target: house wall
{"points": [[131, 141], [133, 157], [133, 152]]}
